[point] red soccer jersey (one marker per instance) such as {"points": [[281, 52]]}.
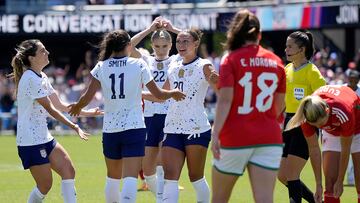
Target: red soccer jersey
{"points": [[344, 119], [256, 74]]}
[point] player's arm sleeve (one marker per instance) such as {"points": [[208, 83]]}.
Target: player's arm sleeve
{"points": [[282, 78], [36, 89], [226, 74], [308, 130], [347, 127], [96, 71], [146, 76], [315, 78]]}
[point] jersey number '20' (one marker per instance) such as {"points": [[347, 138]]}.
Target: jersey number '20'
{"points": [[264, 99], [121, 95]]}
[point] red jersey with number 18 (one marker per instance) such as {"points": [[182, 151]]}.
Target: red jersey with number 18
{"points": [[256, 75]]}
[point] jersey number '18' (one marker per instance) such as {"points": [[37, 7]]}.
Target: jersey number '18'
{"points": [[121, 95], [265, 98]]}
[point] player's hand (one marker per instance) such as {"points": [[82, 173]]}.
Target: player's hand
{"points": [[83, 135], [318, 194], [96, 111], [214, 77], [215, 146], [74, 110], [167, 25], [156, 24], [177, 95], [338, 189]]}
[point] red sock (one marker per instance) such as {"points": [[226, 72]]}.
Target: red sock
{"points": [[141, 174], [329, 198]]}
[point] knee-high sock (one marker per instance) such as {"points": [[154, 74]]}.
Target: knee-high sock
{"points": [[171, 191], [151, 182], [306, 193], [202, 190], [128, 193], [294, 187], [68, 190], [159, 183], [36, 196], [112, 193]]}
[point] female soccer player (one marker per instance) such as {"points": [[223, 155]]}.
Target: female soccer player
{"points": [[246, 133], [36, 98], [302, 79], [121, 79], [187, 129], [335, 110], [155, 112]]}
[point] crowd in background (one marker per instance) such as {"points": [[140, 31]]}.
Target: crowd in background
{"points": [[71, 86]]}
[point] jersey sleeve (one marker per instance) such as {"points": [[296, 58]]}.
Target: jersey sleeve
{"points": [[308, 130], [49, 87], [95, 72], [146, 76], [36, 88], [315, 78], [346, 119], [282, 78], [226, 75]]}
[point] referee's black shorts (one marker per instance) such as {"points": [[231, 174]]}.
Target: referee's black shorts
{"points": [[294, 140]]}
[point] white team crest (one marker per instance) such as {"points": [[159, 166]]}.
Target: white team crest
{"points": [[299, 93], [43, 153]]}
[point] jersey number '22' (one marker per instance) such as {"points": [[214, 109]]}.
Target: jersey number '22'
{"points": [[121, 86]]}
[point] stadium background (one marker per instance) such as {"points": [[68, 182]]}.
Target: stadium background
{"points": [[70, 30]]}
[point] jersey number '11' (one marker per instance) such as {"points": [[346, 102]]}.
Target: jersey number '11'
{"points": [[121, 95]]}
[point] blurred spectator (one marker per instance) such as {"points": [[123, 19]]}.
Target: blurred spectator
{"points": [[353, 80], [332, 62], [85, 67], [6, 105]]}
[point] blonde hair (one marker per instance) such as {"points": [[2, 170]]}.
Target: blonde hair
{"points": [[311, 109], [161, 34]]}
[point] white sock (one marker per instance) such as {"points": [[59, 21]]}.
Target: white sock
{"points": [[171, 191], [36, 196], [151, 182], [68, 190], [112, 193], [128, 193], [159, 183], [202, 190]]}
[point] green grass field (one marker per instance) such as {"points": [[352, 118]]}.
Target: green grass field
{"points": [[16, 184]]}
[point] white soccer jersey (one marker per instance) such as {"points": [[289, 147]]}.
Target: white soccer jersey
{"points": [[32, 125], [121, 82], [188, 116], [159, 69]]}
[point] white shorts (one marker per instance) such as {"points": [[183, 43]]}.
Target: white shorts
{"points": [[234, 161], [332, 143]]}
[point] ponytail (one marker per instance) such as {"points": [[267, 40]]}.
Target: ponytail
{"points": [[309, 49], [311, 109], [20, 62], [306, 40]]}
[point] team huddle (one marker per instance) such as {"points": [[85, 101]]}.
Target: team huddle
{"points": [[154, 117]]}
